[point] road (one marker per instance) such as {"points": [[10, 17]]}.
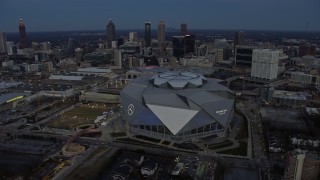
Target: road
{"points": [[251, 110], [202, 155], [257, 144]]}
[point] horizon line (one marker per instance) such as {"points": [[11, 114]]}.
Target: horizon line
{"points": [[208, 29]]}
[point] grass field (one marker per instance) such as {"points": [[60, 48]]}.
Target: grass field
{"points": [[76, 117]]}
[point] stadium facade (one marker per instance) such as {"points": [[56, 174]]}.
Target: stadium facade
{"points": [[177, 106]]}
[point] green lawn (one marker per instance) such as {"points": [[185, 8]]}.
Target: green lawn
{"points": [[201, 170]]}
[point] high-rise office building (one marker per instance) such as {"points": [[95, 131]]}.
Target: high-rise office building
{"points": [[22, 35], [3, 41], [307, 49], [183, 45], [114, 44], [243, 56], [161, 33], [147, 34], [133, 36], [118, 58], [111, 33], [265, 63], [239, 39], [71, 47], [179, 46], [11, 48], [184, 30], [44, 46], [190, 43], [302, 166], [120, 41], [78, 55], [219, 55]]}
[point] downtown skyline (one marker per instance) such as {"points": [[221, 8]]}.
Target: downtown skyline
{"points": [[58, 15]]}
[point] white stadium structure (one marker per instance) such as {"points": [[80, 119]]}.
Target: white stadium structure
{"points": [[177, 106]]}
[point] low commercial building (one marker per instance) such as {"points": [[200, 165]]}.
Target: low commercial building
{"points": [[12, 100], [306, 62], [92, 71], [98, 58], [304, 78], [289, 98]]}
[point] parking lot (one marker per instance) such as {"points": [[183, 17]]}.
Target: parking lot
{"points": [[166, 164], [283, 118]]}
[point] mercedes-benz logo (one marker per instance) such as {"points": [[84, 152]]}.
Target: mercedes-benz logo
{"points": [[130, 109]]}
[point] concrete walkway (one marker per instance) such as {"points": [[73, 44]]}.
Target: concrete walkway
{"points": [[231, 137]]}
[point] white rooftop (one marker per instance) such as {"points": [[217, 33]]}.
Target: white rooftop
{"points": [[68, 78], [290, 95], [94, 70]]}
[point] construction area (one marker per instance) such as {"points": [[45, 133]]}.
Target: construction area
{"points": [[79, 115]]}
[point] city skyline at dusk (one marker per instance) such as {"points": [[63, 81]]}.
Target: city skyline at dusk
{"points": [[180, 89], [291, 15]]}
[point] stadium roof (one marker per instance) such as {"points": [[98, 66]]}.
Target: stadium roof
{"points": [[188, 104], [178, 80]]}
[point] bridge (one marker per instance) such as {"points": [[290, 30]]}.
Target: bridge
{"points": [[71, 148], [115, 91]]}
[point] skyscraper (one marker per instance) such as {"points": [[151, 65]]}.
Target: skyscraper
{"points": [[184, 29], [239, 39], [147, 34], [161, 33], [111, 33], [71, 47], [243, 56], [22, 35], [190, 43], [302, 166], [179, 46], [11, 48], [265, 63], [3, 40], [78, 55], [133, 36]]}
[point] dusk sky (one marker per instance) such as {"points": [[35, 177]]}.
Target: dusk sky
{"points": [[60, 15]]}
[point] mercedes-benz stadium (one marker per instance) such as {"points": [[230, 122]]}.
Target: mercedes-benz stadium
{"points": [[177, 106]]}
